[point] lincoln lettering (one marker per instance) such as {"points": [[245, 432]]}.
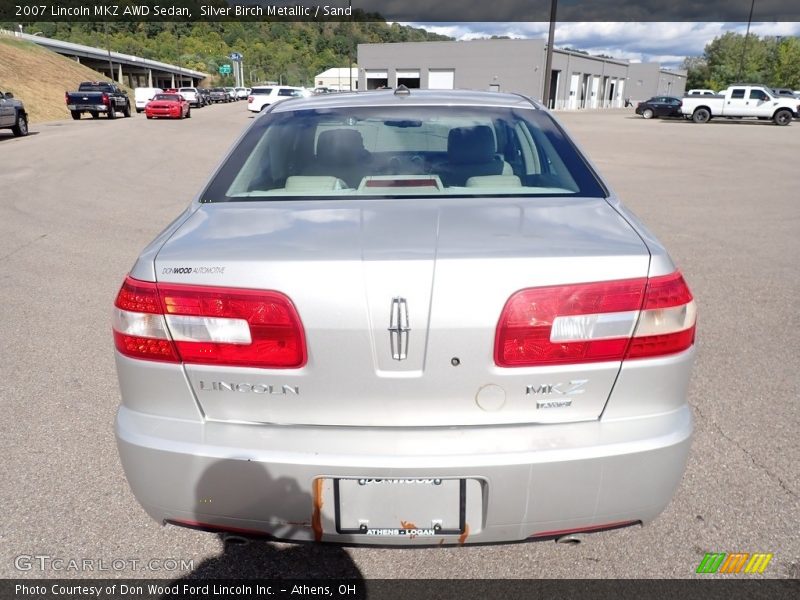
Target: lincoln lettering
{"points": [[252, 388]]}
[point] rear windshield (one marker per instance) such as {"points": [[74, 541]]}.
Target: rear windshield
{"points": [[95, 87], [403, 151], [188, 90], [260, 90], [168, 97]]}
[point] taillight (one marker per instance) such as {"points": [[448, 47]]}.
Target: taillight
{"points": [[208, 325], [105, 98], [66, 97], [593, 322], [249, 99]]}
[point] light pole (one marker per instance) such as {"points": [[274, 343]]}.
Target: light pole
{"points": [[746, 36], [548, 63]]}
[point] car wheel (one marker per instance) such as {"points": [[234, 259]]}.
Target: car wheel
{"points": [[75, 114], [126, 112], [782, 117], [648, 113], [189, 114], [138, 110], [94, 115], [701, 115], [111, 114], [21, 128]]}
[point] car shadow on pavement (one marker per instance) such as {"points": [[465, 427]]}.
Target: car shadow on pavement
{"points": [[245, 489]]}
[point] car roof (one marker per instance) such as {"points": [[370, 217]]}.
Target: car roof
{"points": [[415, 97]]}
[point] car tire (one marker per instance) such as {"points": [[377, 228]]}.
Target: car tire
{"points": [[701, 115], [783, 117], [138, 111], [21, 128], [189, 114], [126, 112], [95, 115], [76, 115], [648, 113], [111, 114]]}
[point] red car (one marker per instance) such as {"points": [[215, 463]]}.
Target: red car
{"points": [[170, 106]]}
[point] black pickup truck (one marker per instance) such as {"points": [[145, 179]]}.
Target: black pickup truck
{"points": [[97, 97]]}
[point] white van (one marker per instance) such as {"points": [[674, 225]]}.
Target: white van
{"points": [[143, 95]]}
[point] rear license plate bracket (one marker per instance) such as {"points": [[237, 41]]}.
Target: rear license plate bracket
{"points": [[439, 506]]}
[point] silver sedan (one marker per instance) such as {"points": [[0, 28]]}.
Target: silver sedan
{"points": [[404, 317]]}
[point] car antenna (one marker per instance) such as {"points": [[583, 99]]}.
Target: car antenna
{"points": [[402, 90]]}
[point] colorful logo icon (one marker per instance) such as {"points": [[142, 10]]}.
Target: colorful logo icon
{"points": [[735, 562]]}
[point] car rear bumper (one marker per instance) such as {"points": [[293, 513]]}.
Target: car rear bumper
{"points": [[88, 107], [520, 481]]}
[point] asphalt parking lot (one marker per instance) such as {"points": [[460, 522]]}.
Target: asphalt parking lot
{"points": [[78, 201]]}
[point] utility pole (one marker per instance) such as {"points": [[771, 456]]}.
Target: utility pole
{"points": [[746, 36], [548, 63]]}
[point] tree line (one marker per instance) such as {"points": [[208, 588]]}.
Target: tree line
{"points": [[290, 52], [771, 60]]}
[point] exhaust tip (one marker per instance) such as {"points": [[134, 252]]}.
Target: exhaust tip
{"points": [[234, 540], [569, 540]]}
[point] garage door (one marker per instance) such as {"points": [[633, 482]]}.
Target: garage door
{"points": [[441, 79]]}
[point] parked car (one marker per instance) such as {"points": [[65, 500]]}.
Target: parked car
{"points": [[232, 93], [241, 93], [219, 94], [168, 106], [205, 93], [660, 106], [143, 95], [97, 97], [743, 101], [262, 96], [409, 317], [13, 115], [698, 92], [192, 96]]}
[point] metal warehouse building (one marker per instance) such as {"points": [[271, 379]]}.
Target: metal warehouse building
{"points": [[577, 80]]}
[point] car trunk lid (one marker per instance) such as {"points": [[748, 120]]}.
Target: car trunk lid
{"points": [[400, 302]]}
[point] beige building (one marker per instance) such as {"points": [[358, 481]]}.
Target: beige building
{"points": [[337, 78]]}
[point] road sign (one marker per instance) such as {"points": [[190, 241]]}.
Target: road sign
{"points": [[225, 69], [235, 56]]}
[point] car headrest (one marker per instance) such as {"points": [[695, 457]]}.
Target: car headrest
{"points": [[340, 146], [471, 145]]}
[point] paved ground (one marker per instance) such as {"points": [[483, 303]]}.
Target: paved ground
{"points": [[78, 200]]}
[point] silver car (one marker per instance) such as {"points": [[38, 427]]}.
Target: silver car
{"points": [[404, 317]]}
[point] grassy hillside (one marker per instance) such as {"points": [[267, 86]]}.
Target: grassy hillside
{"points": [[39, 78]]}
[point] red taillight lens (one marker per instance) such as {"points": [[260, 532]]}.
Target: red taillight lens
{"points": [[139, 327], [66, 97], [208, 325], [249, 98], [105, 98], [593, 322]]}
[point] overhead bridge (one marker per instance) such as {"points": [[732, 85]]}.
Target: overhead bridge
{"points": [[133, 71]]}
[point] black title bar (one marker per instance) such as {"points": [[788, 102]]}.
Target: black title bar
{"points": [[31, 11]]}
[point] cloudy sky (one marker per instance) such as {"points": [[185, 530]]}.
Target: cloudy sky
{"points": [[667, 43]]}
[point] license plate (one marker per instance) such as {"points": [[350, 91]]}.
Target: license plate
{"points": [[393, 507]]}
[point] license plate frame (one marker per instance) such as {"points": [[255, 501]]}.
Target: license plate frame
{"points": [[394, 531]]}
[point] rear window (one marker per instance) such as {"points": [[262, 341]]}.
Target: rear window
{"points": [[261, 91], [168, 97], [188, 90], [289, 92], [737, 93], [95, 87], [403, 151]]}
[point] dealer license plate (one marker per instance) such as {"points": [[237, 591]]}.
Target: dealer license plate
{"points": [[393, 507]]}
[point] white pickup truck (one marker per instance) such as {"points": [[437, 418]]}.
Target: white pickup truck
{"points": [[739, 101]]}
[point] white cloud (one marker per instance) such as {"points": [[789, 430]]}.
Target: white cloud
{"points": [[667, 43]]}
